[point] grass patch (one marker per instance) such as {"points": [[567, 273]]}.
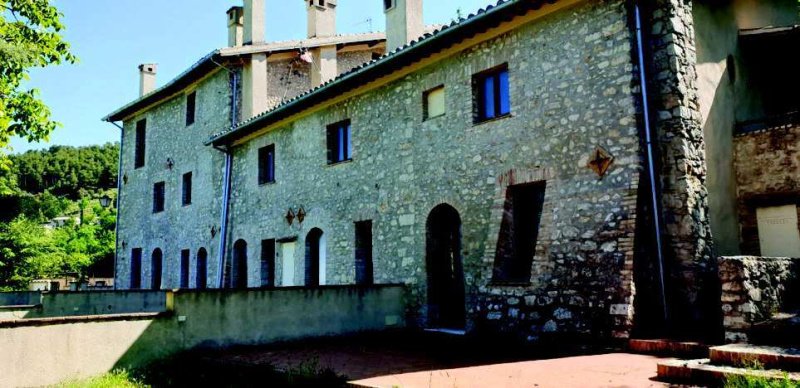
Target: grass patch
{"points": [[760, 382], [116, 379]]}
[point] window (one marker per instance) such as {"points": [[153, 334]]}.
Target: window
{"points": [[364, 273], [268, 263], [434, 103], [158, 197], [236, 269], [141, 129], [491, 91], [388, 4], [191, 99], [519, 232], [136, 268], [266, 164], [156, 269], [186, 197], [185, 255], [339, 142]]}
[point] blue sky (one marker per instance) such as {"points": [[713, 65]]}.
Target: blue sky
{"points": [[111, 37]]}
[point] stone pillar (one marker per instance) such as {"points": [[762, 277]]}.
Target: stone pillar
{"points": [[324, 65], [690, 266], [254, 24], [254, 86]]}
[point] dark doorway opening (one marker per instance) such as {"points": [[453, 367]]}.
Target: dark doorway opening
{"points": [[268, 263], [201, 276], [136, 268], [446, 304], [156, 267], [238, 278], [364, 273], [313, 256]]}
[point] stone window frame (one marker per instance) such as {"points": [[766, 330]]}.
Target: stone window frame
{"points": [[512, 177]]}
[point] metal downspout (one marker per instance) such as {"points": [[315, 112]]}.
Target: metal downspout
{"points": [[119, 196], [226, 188], [651, 162]]}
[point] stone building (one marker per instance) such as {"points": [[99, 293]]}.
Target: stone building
{"points": [[511, 168]]}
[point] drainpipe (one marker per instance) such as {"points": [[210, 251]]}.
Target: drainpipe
{"points": [[226, 183], [119, 195], [649, 135]]}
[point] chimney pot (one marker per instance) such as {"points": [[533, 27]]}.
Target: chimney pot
{"points": [[147, 78], [235, 26], [321, 18]]}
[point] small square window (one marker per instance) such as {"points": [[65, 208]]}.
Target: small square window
{"points": [[191, 100], [339, 142], [434, 100], [159, 189], [266, 164], [492, 98], [187, 189]]}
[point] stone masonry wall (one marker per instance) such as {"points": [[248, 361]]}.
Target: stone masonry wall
{"points": [[691, 287], [753, 289], [776, 151], [571, 80], [178, 227]]}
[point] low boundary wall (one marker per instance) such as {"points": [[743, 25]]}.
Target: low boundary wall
{"points": [[46, 351], [754, 289], [22, 298]]}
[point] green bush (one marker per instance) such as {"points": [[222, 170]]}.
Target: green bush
{"points": [[750, 381], [115, 379]]}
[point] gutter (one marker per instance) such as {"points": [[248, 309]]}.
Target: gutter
{"points": [[649, 136], [226, 184]]}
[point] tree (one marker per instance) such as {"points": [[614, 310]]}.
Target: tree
{"points": [[30, 36]]}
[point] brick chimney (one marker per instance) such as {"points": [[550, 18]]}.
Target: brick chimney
{"points": [[322, 23], [404, 22], [254, 71], [147, 78], [235, 26], [254, 21]]}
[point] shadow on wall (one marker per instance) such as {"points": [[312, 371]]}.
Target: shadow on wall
{"points": [[40, 352]]}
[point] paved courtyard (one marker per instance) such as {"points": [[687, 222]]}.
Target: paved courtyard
{"points": [[454, 362]]}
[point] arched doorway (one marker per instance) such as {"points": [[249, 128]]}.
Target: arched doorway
{"points": [[156, 269], [239, 270], [201, 274], [445, 269], [315, 258]]}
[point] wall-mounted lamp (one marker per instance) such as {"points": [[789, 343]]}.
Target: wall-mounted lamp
{"points": [[301, 214], [290, 216], [170, 163]]}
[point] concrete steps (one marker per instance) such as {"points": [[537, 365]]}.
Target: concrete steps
{"points": [[737, 360], [665, 347]]}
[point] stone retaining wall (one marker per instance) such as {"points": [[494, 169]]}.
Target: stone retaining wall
{"points": [[753, 289]]}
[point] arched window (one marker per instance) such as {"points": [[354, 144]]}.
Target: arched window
{"points": [[315, 258], [156, 268], [238, 278], [201, 275]]}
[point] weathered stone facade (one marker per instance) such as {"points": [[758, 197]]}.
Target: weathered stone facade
{"points": [[575, 101], [767, 167], [753, 290]]}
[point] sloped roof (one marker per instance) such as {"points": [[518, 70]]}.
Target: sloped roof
{"points": [[429, 44], [211, 61]]}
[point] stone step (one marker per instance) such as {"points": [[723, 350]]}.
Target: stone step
{"points": [[678, 349], [753, 356], [702, 372]]}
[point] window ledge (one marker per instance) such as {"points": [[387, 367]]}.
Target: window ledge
{"points": [[498, 118], [340, 163], [434, 117], [270, 183]]}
